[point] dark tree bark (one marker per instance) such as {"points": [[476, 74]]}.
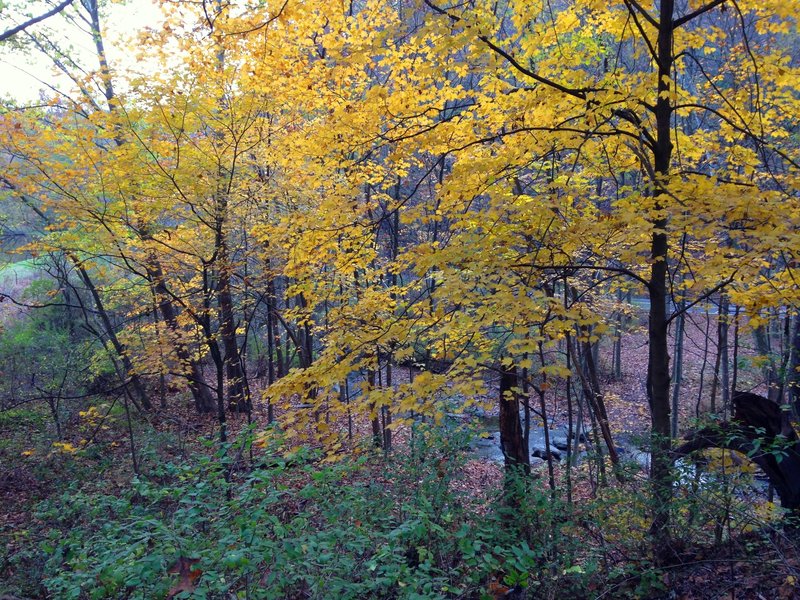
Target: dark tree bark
{"points": [[785, 358], [386, 412], [677, 365], [761, 335], [587, 373], [512, 441], [272, 346], [724, 357], [377, 435], [762, 431], [658, 371]]}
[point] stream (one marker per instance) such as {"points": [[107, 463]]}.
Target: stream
{"points": [[487, 446]]}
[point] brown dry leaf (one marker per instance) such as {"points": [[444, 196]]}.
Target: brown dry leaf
{"points": [[787, 592], [498, 591], [187, 576]]}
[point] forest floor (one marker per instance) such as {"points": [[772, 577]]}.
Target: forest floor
{"points": [[759, 562]]}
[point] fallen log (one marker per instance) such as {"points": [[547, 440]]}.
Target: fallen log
{"points": [[762, 431]]}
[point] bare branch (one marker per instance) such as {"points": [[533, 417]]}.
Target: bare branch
{"points": [[642, 32], [262, 25], [648, 17], [587, 267], [8, 33], [696, 13], [574, 92], [700, 299]]}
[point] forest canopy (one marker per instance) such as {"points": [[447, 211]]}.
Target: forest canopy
{"points": [[297, 243]]}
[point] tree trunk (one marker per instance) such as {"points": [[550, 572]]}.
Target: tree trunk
{"points": [[724, 358], [677, 365], [735, 361], [271, 343], [617, 347], [794, 376], [784, 375], [763, 432], [377, 436], [136, 382], [594, 397], [658, 376], [387, 413], [190, 367], [237, 402], [512, 442], [280, 369], [764, 348]]}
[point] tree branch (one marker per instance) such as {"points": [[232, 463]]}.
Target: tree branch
{"points": [[586, 267], [696, 13], [648, 17], [8, 33], [574, 92], [702, 297]]}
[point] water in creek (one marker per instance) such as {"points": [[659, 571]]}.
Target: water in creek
{"points": [[487, 446]]}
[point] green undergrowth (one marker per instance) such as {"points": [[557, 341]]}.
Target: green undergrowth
{"points": [[295, 527], [249, 522]]}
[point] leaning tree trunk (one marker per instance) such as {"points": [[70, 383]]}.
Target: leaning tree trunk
{"points": [[119, 348], [197, 385], [108, 328], [763, 431]]}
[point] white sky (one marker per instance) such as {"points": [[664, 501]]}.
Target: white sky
{"points": [[21, 75]]}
